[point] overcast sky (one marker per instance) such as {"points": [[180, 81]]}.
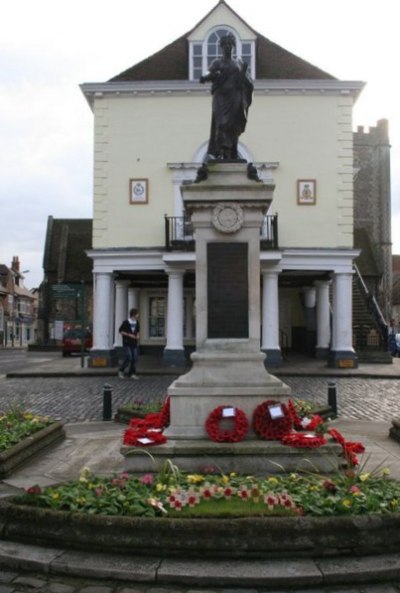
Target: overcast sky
{"points": [[49, 47]]}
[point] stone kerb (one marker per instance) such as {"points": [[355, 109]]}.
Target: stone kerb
{"points": [[247, 538], [22, 452]]}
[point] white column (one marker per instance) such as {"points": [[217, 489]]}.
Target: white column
{"points": [[175, 310], [121, 308], [133, 298], [323, 316], [102, 311], [342, 332], [270, 317]]}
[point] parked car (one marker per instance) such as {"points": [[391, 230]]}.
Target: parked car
{"points": [[72, 342]]}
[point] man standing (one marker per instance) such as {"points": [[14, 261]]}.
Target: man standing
{"points": [[129, 331]]}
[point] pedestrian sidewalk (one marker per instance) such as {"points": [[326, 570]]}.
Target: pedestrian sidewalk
{"points": [[296, 365]]}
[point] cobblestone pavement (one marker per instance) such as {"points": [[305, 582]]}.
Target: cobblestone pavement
{"points": [[75, 399], [78, 399], [13, 582]]}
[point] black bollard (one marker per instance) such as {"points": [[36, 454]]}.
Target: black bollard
{"points": [[107, 402], [332, 398]]}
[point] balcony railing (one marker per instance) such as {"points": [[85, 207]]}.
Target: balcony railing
{"points": [[179, 233]]}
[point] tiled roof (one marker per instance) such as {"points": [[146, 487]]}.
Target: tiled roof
{"points": [[172, 63]]}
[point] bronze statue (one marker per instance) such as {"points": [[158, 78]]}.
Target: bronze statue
{"points": [[232, 91]]}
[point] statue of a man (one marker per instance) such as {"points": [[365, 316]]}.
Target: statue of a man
{"points": [[232, 91]]}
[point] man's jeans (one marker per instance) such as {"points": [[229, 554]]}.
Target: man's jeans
{"points": [[130, 357]]}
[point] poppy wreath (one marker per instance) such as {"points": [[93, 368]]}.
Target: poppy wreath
{"points": [[143, 437], [350, 448], [234, 435], [295, 439], [268, 428]]}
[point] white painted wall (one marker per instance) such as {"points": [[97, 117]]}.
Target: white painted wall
{"points": [[309, 134]]}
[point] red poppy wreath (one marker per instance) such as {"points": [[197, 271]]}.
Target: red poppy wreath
{"points": [[271, 428], [227, 413]]}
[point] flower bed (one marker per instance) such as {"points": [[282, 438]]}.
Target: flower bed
{"points": [[22, 435]]}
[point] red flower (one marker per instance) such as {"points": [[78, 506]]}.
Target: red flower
{"points": [[34, 490], [297, 439], [330, 486], [349, 448]]}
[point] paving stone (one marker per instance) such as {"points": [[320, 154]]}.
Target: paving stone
{"points": [[96, 589], [6, 588], [58, 587], [6, 576], [30, 581]]}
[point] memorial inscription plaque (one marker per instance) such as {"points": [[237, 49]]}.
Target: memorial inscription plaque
{"points": [[227, 290]]}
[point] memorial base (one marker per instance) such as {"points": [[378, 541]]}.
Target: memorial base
{"points": [[252, 457], [220, 377]]}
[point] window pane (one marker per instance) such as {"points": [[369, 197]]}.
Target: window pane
{"points": [[197, 49], [197, 62], [156, 317]]}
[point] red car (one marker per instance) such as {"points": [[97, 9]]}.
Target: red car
{"points": [[72, 342]]}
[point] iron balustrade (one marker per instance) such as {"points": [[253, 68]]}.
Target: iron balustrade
{"points": [[179, 233]]}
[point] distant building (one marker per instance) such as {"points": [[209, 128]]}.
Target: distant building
{"points": [[18, 311], [67, 289]]}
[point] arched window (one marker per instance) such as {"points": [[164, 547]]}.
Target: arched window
{"points": [[203, 53]]}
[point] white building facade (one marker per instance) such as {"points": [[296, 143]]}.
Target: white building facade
{"points": [[151, 132]]}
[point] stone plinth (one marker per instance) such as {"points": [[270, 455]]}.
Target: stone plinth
{"points": [[219, 377], [227, 210], [253, 457]]}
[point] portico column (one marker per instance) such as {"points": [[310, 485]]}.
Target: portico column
{"points": [[133, 298], [121, 308], [270, 318], [342, 352], [102, 353], [309, 299], [174, 354], [323, 319]]}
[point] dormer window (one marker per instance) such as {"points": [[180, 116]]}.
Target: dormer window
{"points": [[203, 53]]}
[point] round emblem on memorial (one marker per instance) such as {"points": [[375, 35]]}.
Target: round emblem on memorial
{"points": [[227, 218]]}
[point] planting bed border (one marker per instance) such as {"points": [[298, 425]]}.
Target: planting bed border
{"points": [[247, 538], [15, 456]]}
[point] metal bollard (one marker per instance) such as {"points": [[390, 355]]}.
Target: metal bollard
{"points": [[332, 397], [107, 402]]}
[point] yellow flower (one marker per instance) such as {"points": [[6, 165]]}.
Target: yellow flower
{"points": [[80, 500], [385, 471], [85, 472], [232, 474], [160, 487], [28, 416], [347, 503], [313, 488], [55, 495], [195, 478], [225, 479], [364, 477], [293, 477], [394, 503], [273, 481]]}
